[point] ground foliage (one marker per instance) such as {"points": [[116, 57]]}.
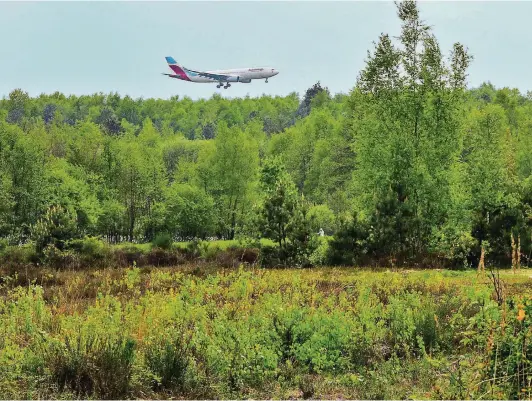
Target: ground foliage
{"points": [[196, 332]]}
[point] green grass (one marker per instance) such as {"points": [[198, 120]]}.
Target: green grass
{"points": [[205, 332], [220, 244], [224, 244], [144, 247]]}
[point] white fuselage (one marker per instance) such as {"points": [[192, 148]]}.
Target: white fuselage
{"points": [[242, 73]]}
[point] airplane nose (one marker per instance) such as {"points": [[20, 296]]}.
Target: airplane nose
{"points": [[275, 72]]}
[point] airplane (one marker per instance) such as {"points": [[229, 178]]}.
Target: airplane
{"points": [[242, 75]]}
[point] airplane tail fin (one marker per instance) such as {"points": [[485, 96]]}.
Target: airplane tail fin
{"points": [[171, 61], [176, 68]]}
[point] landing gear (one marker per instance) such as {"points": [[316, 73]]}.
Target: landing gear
{"points": [[266, 80], [227, 85]]}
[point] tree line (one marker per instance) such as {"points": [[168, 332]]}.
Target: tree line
{"points": [[410, 166]]}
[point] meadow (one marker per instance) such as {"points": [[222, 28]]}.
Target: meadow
{"points": [[205, 332]]}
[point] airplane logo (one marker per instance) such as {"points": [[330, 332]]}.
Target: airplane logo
{"points": [[242, 75]]}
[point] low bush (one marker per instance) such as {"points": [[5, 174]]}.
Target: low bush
{"points": [[507, 356], [234, 255], [163, 257], [320, 251], [60, 259], [162, 241], [90, 365], [128, 255], [168, 361], [270, 256], [197, 249], [92, 251], [16, 256], [4, 243]]}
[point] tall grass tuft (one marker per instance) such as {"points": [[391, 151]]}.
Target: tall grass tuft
{"points": [[92, 366]]}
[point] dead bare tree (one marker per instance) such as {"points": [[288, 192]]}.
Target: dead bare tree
{"points": [[498, 285]]}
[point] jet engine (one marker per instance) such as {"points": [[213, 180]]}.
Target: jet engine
{"points": [[237, 78]]}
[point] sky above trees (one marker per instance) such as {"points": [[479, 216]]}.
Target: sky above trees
{"points": [[81, 48]]}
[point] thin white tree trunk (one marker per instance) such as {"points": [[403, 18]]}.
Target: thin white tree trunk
{"points": [[514, 258], [519, 252], [481, 261]]}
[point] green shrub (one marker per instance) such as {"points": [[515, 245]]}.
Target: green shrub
{"points": [[19, 255], [349, 245], [319, 255], [453, 245], [168, 361], [197, 249], [242, 354], [285, 324], [56, 227], [163, 241], [307, 385], [91, 251], [4, 243], [289, 255], [270, 256], [415, 326], [509, 349], [322, 342], [60, 259], [212, 251], [90, 365], [11, 370]]}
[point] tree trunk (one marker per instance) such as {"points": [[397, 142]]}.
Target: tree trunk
{"points": [[514, 258], [481, 261], [131, 221], [131, 227], [233, 221], [518, 252]]}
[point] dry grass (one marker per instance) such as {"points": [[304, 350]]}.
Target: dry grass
{"points": [[72, 291]]}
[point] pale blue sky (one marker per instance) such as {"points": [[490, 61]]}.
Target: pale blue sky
{"points": [[87, 47]]}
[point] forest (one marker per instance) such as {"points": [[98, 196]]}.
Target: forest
{"points": [[409, 167]]}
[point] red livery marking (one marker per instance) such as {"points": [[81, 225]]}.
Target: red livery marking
{"points": [[179, 71]]}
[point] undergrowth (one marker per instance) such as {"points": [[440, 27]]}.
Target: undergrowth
{"points": [[252, 333]]}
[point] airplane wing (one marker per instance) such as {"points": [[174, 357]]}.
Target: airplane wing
{"points": [[217, 77]]}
